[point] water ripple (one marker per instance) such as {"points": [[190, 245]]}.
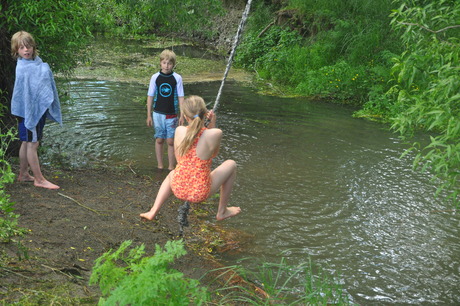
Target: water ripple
{"points": [[312, 181]]}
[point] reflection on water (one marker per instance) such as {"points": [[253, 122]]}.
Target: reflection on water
{"points": [[312, 181]]}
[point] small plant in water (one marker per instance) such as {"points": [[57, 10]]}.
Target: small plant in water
{"points": [[128, 278], [304, 284]]}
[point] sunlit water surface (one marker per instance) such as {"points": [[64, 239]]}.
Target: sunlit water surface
{"points": [[312, 182]]}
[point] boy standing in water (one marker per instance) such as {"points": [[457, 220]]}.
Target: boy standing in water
{"points": [[35, 99], [166, 94]]}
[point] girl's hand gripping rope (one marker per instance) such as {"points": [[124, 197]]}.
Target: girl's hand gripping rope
{"points": [[211, 119]]}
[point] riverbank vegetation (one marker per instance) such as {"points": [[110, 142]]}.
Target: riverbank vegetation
{"points": [[398, 61], [129, 277]]}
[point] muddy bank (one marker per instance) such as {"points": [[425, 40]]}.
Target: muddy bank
{"points": [[94, 211]]}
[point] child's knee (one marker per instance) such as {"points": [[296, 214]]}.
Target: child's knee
{"points": [[160, 141], [231, 164], [32, 145]]}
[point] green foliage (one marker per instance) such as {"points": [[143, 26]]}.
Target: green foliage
{"points": [[128, 278], [426, 78], [9, 228], [59, 28], [343, 81], [137, 17], [285, 284], [333, 49]]}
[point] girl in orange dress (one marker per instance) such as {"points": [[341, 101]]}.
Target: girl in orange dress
{"points": [[195, 146]]}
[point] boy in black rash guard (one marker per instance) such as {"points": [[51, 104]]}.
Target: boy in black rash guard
{"points": [[166, 95]]}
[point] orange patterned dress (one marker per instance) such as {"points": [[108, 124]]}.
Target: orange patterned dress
{"points": [[192, 177]]}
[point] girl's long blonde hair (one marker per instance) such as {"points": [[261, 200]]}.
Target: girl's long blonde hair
{"points": [[193, 108]]}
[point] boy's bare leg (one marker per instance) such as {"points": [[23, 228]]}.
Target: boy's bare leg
{"points": [[24, 175], [159, 152], [224, 177], [171, 156], [163, 194], [32, 158]]}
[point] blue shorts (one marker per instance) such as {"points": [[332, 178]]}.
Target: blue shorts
{"points": [[164, 128], [33, 135]]}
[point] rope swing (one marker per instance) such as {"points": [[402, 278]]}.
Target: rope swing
{"points": [[182, 217], [232, 53], [184, 208]]}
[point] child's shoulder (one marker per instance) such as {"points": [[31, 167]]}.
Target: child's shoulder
{"points": [[181, 129], [213, 132]]}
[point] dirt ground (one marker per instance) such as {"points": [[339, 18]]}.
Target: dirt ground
{"points": [[95, 210]]}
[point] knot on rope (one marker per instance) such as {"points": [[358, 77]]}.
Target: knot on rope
{"points": [[182, 217]]}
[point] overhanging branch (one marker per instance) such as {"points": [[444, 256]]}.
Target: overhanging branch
{"points": [[430, 30]]}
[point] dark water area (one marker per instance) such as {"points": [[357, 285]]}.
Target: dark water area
{"points": [[313, 182]]}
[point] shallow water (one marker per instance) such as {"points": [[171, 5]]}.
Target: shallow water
{"points": [[312, 181]]}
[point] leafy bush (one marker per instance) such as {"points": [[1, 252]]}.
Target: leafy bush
{"points": [[59, 28], [426, 78], [153, 16], [8, 219], [128, 278], [332, 49]]}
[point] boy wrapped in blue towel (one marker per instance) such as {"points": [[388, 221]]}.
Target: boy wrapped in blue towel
{"points": [[35, 99]]}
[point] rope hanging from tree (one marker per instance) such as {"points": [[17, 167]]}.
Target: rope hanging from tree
{"points": [[182, 217], [232, 53], [184, 208]]}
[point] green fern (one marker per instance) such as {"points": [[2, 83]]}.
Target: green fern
{"points": [[137, 280]]}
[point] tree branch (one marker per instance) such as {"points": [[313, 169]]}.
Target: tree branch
{"points": [[430, 30], [89, 208]]}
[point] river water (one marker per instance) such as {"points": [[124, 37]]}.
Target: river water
{"points": [[312, 182]]}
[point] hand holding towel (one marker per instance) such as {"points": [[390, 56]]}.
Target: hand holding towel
{"points": [[35, 92]]}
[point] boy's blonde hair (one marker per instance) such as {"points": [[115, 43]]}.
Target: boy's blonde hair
{"points": [[168, 55], [193, 108], [23, 38]]}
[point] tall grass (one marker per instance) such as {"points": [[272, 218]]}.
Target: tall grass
{"points": [[332, 49], [146, 17], [285, 284]]}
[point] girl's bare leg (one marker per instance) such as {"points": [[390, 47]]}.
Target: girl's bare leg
{"points": [[159, 152], [24, 175], [171, 156], [224, 177], [163, 194], [32, 159]]}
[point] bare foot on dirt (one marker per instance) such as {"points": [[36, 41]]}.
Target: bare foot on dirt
{"points": [[147, 216], [229, 212], [46, 184], [26, 178]]}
